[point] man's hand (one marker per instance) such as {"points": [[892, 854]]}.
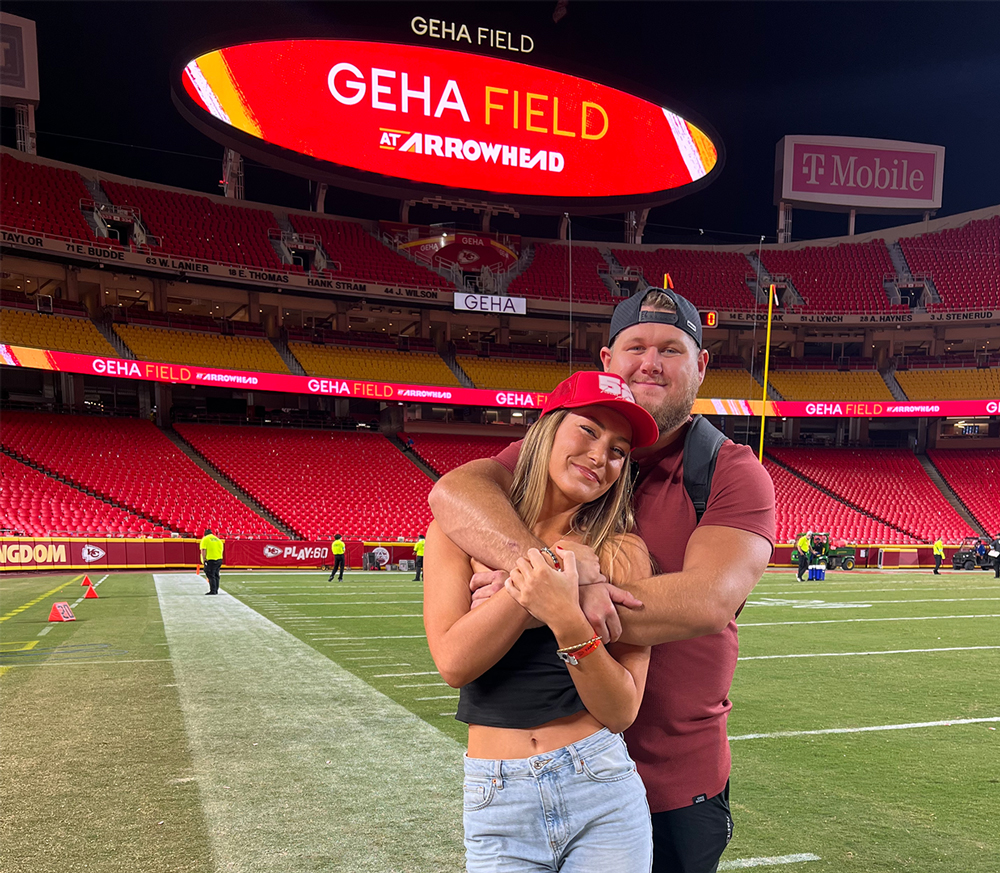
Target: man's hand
{"points": [[484, 585], [587, 564], [598, 603]]}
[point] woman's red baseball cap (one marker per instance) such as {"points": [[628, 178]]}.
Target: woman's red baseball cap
{"points": [[593, 388]]}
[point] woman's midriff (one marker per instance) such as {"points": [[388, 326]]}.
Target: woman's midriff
{"points": [[494, 743]]}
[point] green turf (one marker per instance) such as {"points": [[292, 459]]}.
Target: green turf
{"points": [[95, 754], [96, 772]]}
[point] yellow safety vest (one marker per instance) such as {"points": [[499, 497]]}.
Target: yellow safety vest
{"points": [[939, 548], [212, 546], [418, 548], [338, 547]]}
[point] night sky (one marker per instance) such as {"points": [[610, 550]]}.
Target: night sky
{"points": [[919, 71]]}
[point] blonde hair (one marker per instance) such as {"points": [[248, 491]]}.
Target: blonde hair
{"points": [[600, 524]]}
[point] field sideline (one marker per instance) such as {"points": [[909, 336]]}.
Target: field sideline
{"points": [[298, 725]]}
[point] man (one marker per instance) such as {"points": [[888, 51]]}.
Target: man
{"points": [[995, 554], [938, 555], [418, 554], [804, 546], [211, 559], [337, 549], [708, 568]]}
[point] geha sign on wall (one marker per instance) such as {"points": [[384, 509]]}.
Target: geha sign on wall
{"points": [[390, 118]]}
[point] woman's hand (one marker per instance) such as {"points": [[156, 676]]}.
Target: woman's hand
{"points": [[552, 596]]}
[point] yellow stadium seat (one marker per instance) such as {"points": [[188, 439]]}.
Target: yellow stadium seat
{"points": [[963, 384], [737, 384], [830, 385], [58, 332], [201, 349], [524, 375], [373, 365]]}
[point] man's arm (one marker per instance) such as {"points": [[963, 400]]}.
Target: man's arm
{"points": [[721, 567], [472, 506]]}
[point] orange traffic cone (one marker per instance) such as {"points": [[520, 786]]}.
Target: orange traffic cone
{"points": [[86, 581], [62, 612], [91, 593]]}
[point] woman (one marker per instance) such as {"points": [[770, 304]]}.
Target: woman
{"points": [[548, 782]]}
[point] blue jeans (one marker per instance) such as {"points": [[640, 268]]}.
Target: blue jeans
{"points": [[579, 808]]}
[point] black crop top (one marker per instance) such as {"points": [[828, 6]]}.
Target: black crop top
{"points": [[527, 687]]}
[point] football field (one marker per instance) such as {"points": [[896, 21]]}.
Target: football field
{"points": [[293, 724]]}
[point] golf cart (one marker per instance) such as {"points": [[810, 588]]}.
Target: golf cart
{"points": [[830, 553], [967, 558]]}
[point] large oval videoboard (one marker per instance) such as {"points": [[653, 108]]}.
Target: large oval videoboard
{"points": [[396, 120]]}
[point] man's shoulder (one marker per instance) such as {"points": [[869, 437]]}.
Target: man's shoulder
{"points": [[735, 458]]}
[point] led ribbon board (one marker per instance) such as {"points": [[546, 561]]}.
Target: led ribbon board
{"points": [[393, 119]]}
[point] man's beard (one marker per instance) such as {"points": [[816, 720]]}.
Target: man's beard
{"points": [[672, 412]]}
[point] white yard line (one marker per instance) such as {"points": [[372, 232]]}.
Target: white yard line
{"points": [[852, 620], [405, 675], [870, 729], [383, 616], [745, 863], [421, 685], [297, 760], [871, 602], [854, 654], [763, 590], [266, 603], [350, 639]]}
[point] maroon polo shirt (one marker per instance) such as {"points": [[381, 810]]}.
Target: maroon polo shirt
{"points": [[679, 737]]}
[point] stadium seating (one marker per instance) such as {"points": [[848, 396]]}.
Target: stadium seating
{"points": [[322, 482], [379, 365], [548, 275], [956, 384], [519, 375], [201, 349], [134, 464], [36, 330], [830, 385], [33, 504], [888, 483], [842, 278], [726, 380], [963, 262], [444, 452], [800, 507], [363, 257], [710, 280], [973, 475], [44, 199], [191, 225]]}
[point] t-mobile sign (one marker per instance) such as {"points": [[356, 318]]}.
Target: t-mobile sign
{"points": [[866, 174]]}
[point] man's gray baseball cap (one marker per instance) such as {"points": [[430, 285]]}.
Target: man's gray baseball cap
{"points": [[630, 312]]}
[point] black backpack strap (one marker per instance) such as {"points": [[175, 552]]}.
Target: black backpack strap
{"points": [[701, 447]]}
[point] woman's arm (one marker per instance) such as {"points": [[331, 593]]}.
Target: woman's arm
{"points": [[610, 681], [463, 643]]}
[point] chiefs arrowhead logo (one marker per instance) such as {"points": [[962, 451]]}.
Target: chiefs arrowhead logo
{"points": [[271, 551], [92, 553]]}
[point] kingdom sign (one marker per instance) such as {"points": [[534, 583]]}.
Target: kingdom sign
{"points": [[425, 117]]}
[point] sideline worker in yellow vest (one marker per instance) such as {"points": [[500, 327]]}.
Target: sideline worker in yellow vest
{"points": [[337, 548], [211, 559], [418, 553], [804, 545], [938, 555]]}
